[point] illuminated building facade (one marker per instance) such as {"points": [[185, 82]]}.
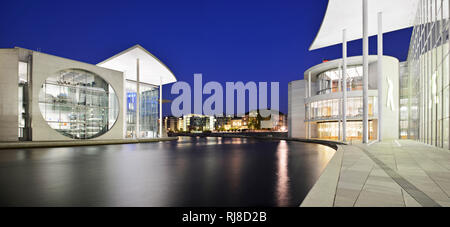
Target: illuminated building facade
{"points": [[316, 103], [171, 124], [49, 98], [197, 123], [426, 86], [423, 82], [424, 97]]}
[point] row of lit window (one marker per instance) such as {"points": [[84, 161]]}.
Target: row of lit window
{"points": [[331, 108]]}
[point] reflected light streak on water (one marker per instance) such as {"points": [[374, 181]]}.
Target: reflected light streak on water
{"points": [[283, 195]]}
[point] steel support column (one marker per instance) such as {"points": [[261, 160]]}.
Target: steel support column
{"points": [[138, 98], [344, 83], [380, 75], [160, 110], [365, 138]]}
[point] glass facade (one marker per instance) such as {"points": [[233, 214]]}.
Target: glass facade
{"points": [[149, 104], [78, 104], [425, 86], [23, 101], [148, 109], [325, 114], [131, 90], [328, 81], [404, 92], [330, 130], [327, 109]]}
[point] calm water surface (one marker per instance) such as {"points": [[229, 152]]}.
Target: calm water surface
{"points": [[188, 172]]}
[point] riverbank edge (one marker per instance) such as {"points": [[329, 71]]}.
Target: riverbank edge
{"points": [[323, 192], [328, 143], [75, 143]]}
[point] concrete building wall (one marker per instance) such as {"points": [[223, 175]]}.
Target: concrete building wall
{"points": [[391, 78], [45, 65], [296, 111], [373, 83], [9, 70]]}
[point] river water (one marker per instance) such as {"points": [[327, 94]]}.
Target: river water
{"points": [[188, 172]]}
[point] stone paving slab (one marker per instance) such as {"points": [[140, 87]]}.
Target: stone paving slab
{"points": [[353, 177], [322, 193], [400, 173]]}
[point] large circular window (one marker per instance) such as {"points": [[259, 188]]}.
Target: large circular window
{"points": [[78, 104]]}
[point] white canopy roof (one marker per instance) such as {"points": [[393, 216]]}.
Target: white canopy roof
{"points": [[151, 69], [347, 14]]}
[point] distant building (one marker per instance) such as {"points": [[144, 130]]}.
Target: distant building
{"points": [[251, 121], [223, 123], [197, 123], [180, 124], [265, 120], [237, 124], [171, 124]]}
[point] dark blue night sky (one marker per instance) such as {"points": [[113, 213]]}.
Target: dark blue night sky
{"points": [[232, 40]]}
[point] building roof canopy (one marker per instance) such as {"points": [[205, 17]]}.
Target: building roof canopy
{"points": [[151, 69], [347, 14]]}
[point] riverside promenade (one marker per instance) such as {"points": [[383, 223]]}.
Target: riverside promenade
{"points": [[397, 173]]}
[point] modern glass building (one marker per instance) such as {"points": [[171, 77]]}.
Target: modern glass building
{"points": [[316, 104], [46, 98], [427, 87], [423, 97], [143, 76]]}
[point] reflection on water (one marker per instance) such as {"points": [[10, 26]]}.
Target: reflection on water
{"points": [[189, 172], [283, 178]]}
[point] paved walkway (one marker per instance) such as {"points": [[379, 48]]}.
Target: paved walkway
{"points": [[398, 173]]}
